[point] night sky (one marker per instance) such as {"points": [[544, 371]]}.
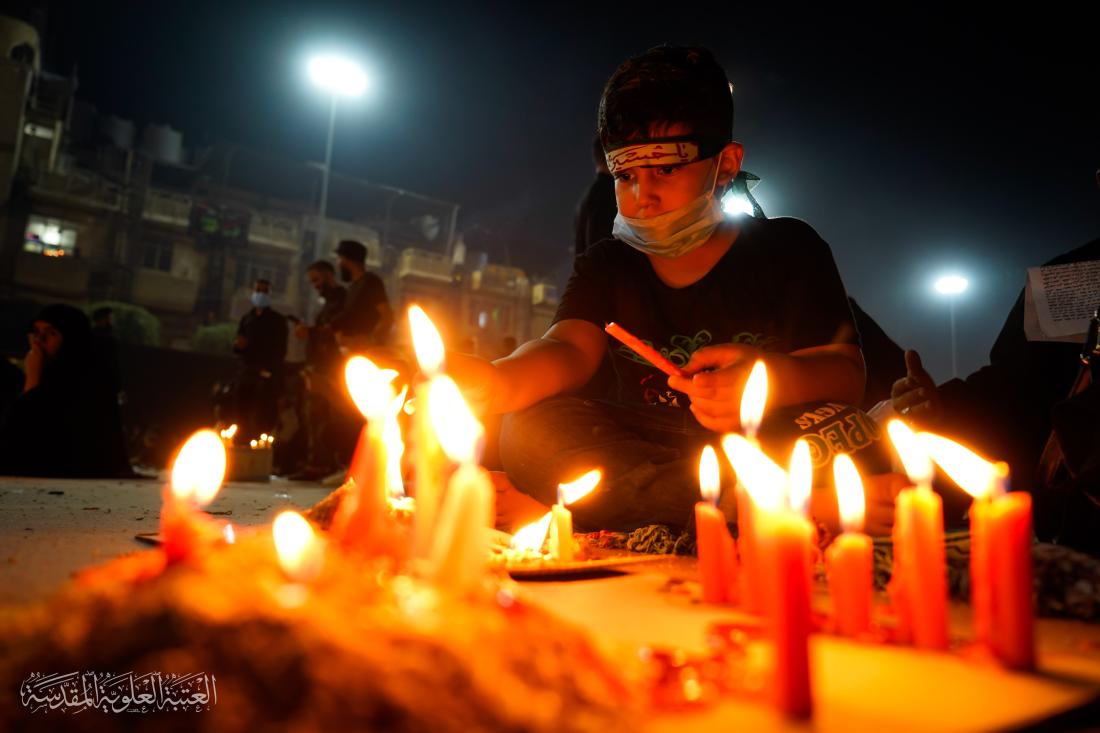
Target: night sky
{"points": [[914, 142]]}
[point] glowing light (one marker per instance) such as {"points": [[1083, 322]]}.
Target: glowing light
{"points": [[459, 432], [974, 475], [229, 535], [532, 537], [913, 454], [801, 476], [199, 468], [300, 553], [736, 205], [427, 343], [951, 285], [849, 493], [229, 432], [395, 446], [754, 399], [371, 388], [709, 480], [580, 488], [338, 75], [765, 481]]}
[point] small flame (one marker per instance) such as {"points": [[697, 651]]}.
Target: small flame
{"points": [[849, 493], [913, 454], [532, 537], [371, 388], [765, 481], [427, 342], [801, 477], [709, 481], [582, 487], [199, 468], [229, 535], [754, 399], [459, 432], [229, 432], [298, 549], [975, 475], [395, 446], [253, 444]]}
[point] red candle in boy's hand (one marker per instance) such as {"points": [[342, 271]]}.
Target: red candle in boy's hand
{"points": [[644, 350]]}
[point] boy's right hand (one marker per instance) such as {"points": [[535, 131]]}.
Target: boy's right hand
{"points": [[915, 397]]}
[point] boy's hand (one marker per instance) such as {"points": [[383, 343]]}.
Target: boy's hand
{"points": [[717, 376], [915, 397]]}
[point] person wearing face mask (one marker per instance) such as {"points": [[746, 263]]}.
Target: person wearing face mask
{"points": [[713, 293], [261, 345]]}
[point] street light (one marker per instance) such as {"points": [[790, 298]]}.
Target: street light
{"points": [[952, 286], [340, 77]]}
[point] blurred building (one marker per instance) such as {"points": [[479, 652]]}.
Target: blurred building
{"points": [[94, 208]]}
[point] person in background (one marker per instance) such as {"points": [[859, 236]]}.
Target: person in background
{"points": [[366, 319], [261, 344], [66, 421]]}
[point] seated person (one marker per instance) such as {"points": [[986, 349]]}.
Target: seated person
{"points": [[712, 293], [66, 422]]}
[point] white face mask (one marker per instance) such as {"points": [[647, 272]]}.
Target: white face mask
{"points": [[677, 232]]}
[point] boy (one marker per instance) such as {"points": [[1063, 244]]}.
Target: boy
{"points": [[712, 293]]}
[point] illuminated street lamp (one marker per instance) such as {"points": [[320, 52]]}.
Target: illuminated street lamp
{"points": [[340, 77], [952, 286]]}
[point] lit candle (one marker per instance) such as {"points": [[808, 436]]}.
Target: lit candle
{"points": [[358, 519], [532, 537], [197, 475], [753, 402], [1000, 552], [300, 552], [783, 541], [460, 545], [717, 559], [850, 557], [919, 582], [561, 526], [430, 464]]}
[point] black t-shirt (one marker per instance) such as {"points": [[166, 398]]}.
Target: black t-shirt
{"points": [[321, 350], [777, 288], [360, 315], [266, 335]]}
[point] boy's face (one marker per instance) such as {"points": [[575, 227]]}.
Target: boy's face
{"points": [[643, 192]]}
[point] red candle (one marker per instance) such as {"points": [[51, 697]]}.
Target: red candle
{"points": [[197, 475], [850, 557], [717, 563], [919, 557], [644, 350]]}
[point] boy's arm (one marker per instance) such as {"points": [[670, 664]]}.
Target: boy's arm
{"points": [[563, 359], [829, 372]]}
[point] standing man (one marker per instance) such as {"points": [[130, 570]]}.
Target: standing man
{"points": [[366, 318], [261, 344]]}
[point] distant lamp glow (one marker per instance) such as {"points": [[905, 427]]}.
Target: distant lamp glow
{"points": [[338, 75], [736, 205], [951, 285]]}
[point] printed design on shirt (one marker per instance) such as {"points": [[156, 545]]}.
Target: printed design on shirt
{"points": [[847, 435]]}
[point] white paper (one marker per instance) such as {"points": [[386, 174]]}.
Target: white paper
{"points": [[1059, 300]]}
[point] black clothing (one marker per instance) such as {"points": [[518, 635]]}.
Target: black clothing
{"points": [[322, 353], [595, 214], [265, 336], [777, 288], [359, 316]]}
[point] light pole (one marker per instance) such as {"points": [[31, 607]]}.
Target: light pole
{"points": [[952, 286], [340, 77]]}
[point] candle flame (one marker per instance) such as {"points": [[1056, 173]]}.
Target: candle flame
{"points": [[229, 535], [533, 536], [427, 343], [582, 487], [395, 445], [974, 475], [459, 432], [849, 493], [298, 549], [199, 468], [801, 477], [913, 454], [229, 432], [253, 444], [371, 388], [754, 399], [709, 481], [765, 481]]}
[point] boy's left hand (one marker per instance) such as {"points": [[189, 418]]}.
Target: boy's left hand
{"points": [[716, 378]]}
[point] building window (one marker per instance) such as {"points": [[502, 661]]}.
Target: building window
{"points": [[50, 237], [158, 256], [249, 270]]}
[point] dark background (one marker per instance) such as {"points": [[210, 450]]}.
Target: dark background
{"points": [[916, 140]]}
